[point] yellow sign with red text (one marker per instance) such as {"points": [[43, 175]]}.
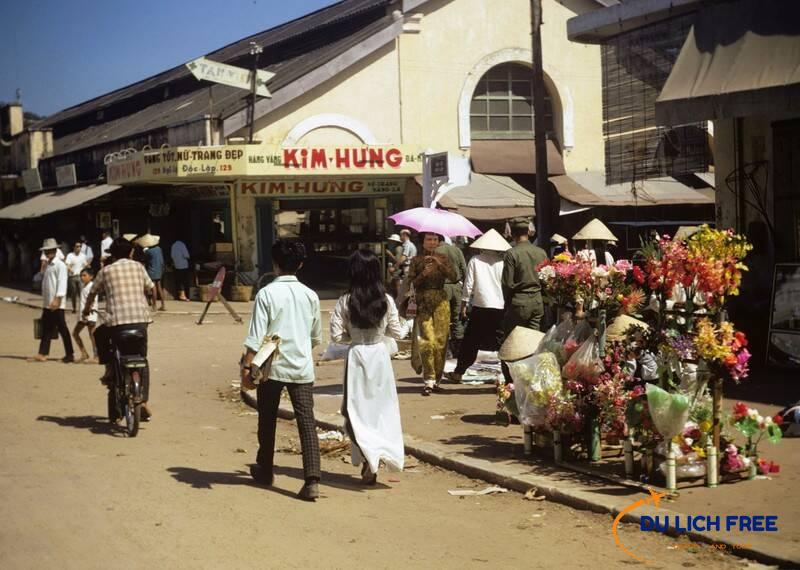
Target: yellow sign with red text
{"points": [[222, 163]]}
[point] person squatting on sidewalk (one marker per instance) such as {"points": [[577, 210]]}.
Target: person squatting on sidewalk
{"points": [[289, 310], [54, 292]]}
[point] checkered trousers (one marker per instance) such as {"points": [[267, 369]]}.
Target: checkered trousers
{"points": [[302, 397], [124, 283]]}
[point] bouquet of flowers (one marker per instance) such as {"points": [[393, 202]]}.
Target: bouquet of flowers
{"points": [[724, 346], [562, 277], [612, 394], [754, 426], [715, 257], [506, 401], [564, 413]]}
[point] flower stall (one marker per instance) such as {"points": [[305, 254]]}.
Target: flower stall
{"points": [[639, 357]]}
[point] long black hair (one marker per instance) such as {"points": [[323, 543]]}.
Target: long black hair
{"points": [[367, 303]]}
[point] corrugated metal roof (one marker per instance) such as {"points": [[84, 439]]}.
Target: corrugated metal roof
{"points": [[333, 14], [194, 105]]}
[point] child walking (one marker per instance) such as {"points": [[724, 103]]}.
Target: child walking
{"points": [[90, 321]]}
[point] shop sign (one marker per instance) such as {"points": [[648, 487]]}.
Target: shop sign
{"points": [[215, 164], [207, 70], [321, 188]]}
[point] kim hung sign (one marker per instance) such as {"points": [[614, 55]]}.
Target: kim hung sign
{"points": [[216, 164], [322, 188]]}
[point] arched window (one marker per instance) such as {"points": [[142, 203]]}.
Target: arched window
{"points": [[502, 104]]}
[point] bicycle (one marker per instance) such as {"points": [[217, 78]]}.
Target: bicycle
{"points": [[129, 387]]}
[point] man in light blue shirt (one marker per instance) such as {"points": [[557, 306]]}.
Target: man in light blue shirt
{"points": [[288, 309]]}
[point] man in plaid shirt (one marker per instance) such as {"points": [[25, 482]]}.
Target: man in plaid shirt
{"points": [[125, 284]]}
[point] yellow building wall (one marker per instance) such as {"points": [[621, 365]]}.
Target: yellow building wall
{"points": [[408, 92], [457, 35], [367, 92]]}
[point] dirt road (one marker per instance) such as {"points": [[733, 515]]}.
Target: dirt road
{"points": [[77, 494]]}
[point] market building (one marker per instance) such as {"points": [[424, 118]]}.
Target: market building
{"points": [[353, 84], [734, 74]]}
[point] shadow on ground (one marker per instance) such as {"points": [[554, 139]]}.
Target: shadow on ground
{"points": [[95, 424]]}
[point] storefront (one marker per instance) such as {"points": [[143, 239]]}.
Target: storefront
{"points": [[334, 199]]}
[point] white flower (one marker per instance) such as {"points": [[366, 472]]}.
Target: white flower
{"points": [[760, 419], [768, 421], [752, 413], [547, 273], [688, 441], [745, 460], [600, 272]]}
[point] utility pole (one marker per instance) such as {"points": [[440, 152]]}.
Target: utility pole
{"points": [[545, 200], [255, 51]]}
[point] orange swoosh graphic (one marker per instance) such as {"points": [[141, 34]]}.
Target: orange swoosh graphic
{"points": [[655, 499]]}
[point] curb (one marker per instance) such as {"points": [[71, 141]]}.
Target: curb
{"points": [[512, 478]]}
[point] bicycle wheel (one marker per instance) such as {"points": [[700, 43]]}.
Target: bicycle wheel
{"points": [[133, 403]]}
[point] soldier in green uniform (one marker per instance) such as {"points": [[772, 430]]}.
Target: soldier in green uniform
{"points": [[521, 288], [453, 290]]}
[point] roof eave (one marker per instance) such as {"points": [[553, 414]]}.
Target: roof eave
{"points": [[599, 25]]}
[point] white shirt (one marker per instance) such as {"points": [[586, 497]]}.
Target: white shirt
{"points": [[483, 281], [92, 318], [609, 259], [86, 250], [59, 255], [54, 282], [289, 309], [75, 263], [104, 245], [180, 255]]}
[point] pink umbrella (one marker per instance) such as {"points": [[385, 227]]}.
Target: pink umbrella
{"points": [[436, 221]]}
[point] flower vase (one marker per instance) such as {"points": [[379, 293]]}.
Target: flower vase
{"points": [[752, 469], [593, 436]]}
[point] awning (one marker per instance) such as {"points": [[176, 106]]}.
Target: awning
{"points": [[489, 198], [590, 189], [512, 157], [739, 59], [49, 202]]}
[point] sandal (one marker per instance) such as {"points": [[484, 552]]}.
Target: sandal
{"points": [[426, 390]]}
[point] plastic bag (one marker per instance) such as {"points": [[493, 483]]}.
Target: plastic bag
{"points": [[669, 412], [649, 366], [335, 351], [585, 365], [553, 341], [582, 331], [536, 379]]}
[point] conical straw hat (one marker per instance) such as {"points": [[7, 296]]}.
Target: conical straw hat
{"points": [[129, 237], [491, 240], [559, 239], [149, 240], [595, 230], [619, 326], [521, 343]]}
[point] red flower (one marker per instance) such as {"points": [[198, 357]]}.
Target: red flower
{"points": [[740, 410], [778, 419]]}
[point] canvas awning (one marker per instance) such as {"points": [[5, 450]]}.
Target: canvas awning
{"points": [[49, 202], [512, 157], [590, 189], [739, 59], [489, 198]]}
